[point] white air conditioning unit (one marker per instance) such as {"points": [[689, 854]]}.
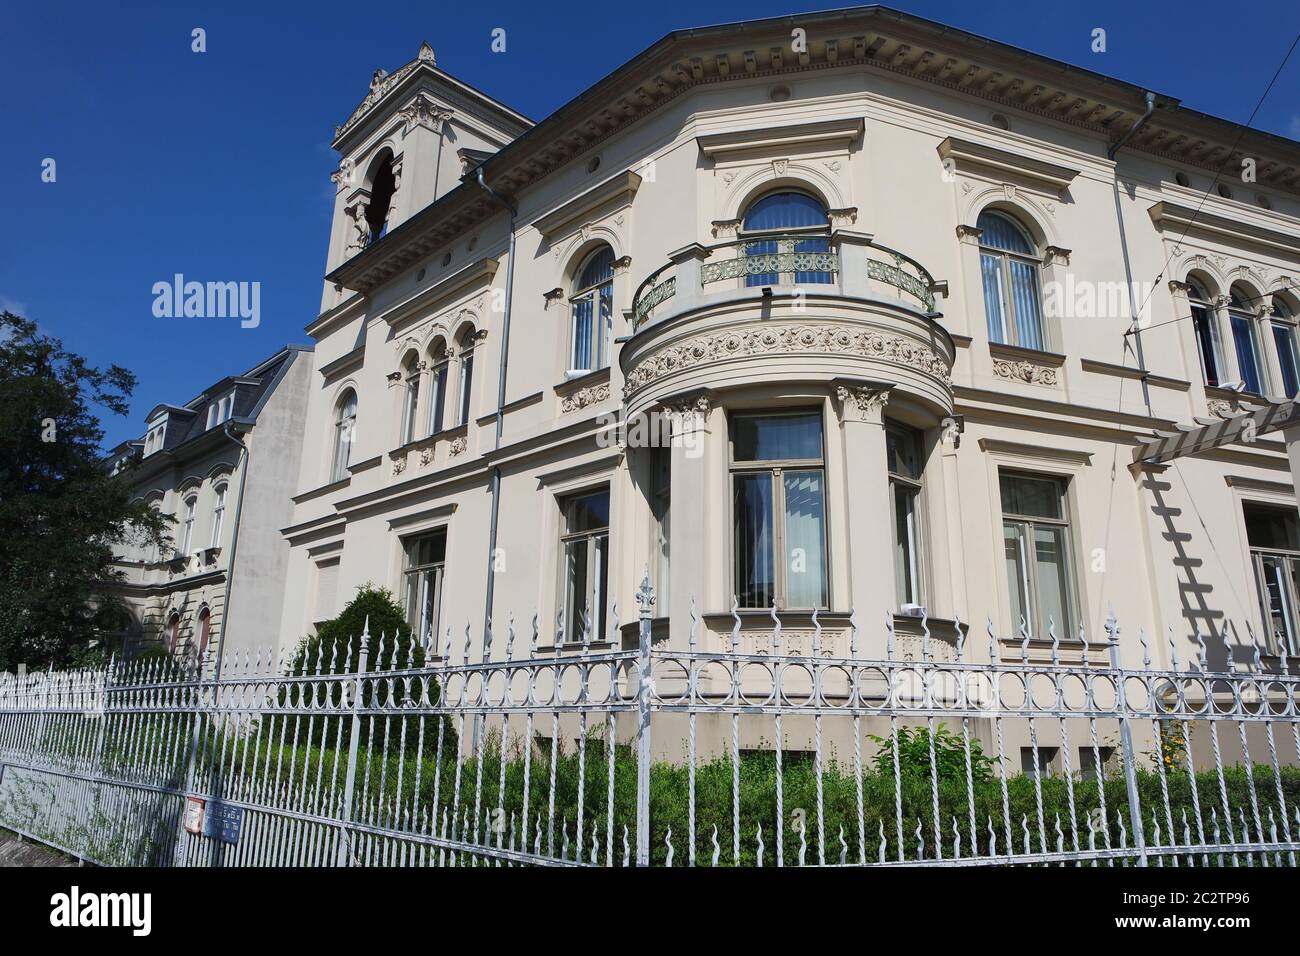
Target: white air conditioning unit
{"points": [[913, 610]]}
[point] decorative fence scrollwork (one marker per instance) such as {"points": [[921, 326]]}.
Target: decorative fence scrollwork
{"points": [[808, 746]]}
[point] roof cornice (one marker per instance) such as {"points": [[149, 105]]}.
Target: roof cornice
{"points": [[875, 37]]}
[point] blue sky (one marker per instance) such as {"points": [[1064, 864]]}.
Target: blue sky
{"points": [[216, 165]]}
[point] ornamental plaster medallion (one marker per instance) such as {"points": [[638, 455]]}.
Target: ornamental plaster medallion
{"points": [[584, 397]]}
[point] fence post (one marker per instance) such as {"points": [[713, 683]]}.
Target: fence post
{"points": [[191, 760], [1126, 742], [344, 857], [645, 597]]}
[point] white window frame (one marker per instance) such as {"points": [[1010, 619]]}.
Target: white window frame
{"points": [[218, 512]]}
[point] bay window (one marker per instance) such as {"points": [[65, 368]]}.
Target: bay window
{"points": [[903, 454], [779, 510]]}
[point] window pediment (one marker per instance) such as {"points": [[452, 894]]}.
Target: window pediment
{"points": [[838, 134], [992, 163], [600, 201]]}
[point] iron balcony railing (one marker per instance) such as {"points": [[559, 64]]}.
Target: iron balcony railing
{"points": [[789, 259]]}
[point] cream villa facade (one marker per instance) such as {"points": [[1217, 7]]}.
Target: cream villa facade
{"points": [[880, 285], [223, 466]]}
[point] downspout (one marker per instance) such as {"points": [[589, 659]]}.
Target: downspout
{"points": [[1135, 329], [513, 210], [228, 430]]}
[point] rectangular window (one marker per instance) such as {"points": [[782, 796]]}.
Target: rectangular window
{"points": [[903, 453], [1288, 357], [1207, 344], [1036, 545], [779, 510], [327, 585], [466, 381], [1034, 761], [584, 554], [1273, 535], [426, 561], [1243, 336], [1088, 761], [660, 511]]}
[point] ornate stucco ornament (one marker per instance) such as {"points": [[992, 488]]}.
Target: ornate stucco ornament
{"points": [[458, 445], [584, 397], [381, 83], [790, 339], [862, 402], [1024, 372]]}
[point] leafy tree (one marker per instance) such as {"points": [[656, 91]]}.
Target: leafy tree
{"points": [[62, 513]]}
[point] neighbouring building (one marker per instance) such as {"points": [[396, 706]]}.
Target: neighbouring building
{"points": [[244, 432], [872, 323]]}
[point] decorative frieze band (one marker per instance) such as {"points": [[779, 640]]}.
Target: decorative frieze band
{"points": [[787, 339]]}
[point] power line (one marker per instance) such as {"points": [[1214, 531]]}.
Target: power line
{"points": [[1181, 318], [1206, 195]]}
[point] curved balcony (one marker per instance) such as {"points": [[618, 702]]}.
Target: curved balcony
{"points": [[787, 308]]}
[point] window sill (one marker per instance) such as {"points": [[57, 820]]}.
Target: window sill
{"points": [[322, 490], [1018, 353], [584, 390]]}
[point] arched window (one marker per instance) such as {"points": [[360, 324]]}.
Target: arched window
{"points": [[592, 307], [205, 632], [1287, 342], [383, 189], [1206, 329], [439, 362], [465, 349], [218, 514], [1245, 339], [411, 400], [1009, 264], [187, 523], [173, 631], [345, 424], [785, 217]]}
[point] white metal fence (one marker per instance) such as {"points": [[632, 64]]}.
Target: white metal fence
{"points": [[937, 753]]}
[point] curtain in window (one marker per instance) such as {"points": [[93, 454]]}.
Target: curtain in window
{"points": [[1024, 293], [1050, 555], [782, 212], [1013, 538], [805, 539], [1243, 336], [991, 271], [466, 381], [778, 438], [1207, 343], [1284, 338], [905, 544], [755, 575]]}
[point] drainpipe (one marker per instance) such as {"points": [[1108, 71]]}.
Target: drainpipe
{"points": [[228, 430], [513, 210], [1135, 329]]}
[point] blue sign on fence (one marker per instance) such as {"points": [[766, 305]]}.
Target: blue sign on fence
{"points": [[222, 821]]}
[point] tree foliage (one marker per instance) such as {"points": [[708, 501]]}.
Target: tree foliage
{"points": [[63, 515]]}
